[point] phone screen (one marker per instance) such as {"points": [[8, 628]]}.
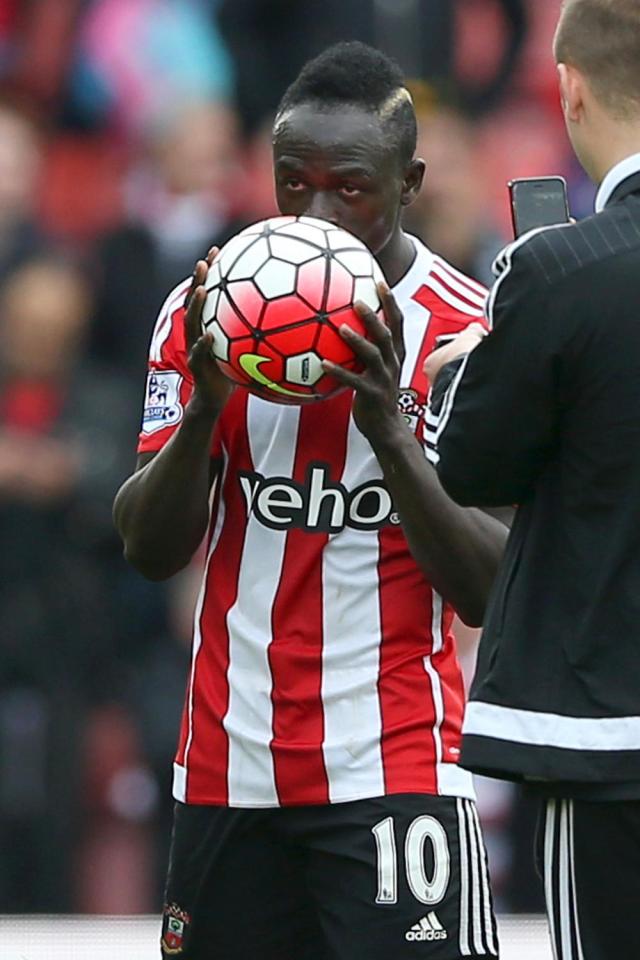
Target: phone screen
{"points": [[538, 202]]}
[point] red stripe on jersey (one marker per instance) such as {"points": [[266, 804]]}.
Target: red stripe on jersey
{"points": [[467, 302], [446, 321], [446, 296], [410, 753], [406, 699], [453, 694], [295, 653], [207, 759], [185, 723]]}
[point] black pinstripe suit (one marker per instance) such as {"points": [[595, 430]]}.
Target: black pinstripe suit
{"points": [[545, 414]]}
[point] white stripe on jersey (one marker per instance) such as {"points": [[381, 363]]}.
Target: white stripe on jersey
{"points": [[164, 322], [434, 284], [466, 280], [351, 648], [416, 324], [474, 296], [179, 789], [453, 781], [436, 622], [273, 434]]}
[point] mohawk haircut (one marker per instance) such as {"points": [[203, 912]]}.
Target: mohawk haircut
{"points": [[356, 74]]}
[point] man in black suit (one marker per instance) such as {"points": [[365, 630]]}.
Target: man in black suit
{"points": [[544, 412]]}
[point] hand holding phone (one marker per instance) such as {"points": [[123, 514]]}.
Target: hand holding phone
{"points": [[538, 202]]}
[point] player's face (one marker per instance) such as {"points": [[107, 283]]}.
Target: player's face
{"points": [[338, 166]]}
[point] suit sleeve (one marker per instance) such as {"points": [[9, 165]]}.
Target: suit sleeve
{"points": [[495, 424]]}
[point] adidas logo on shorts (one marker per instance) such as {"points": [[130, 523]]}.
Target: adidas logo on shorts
{"points": [[429, 928]]}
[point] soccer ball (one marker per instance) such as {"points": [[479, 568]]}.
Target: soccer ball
{"points": [[277, 294]]}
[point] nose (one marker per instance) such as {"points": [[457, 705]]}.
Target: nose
{"points": [[323, 207]]}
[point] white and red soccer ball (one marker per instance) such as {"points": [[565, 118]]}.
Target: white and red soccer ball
{"points": [[277, 294]]}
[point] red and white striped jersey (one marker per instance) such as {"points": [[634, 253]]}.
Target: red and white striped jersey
{"points": [[323, 665]]}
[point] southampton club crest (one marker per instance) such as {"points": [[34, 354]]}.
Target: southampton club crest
{"points": [[174, 928], [410, 408], [162, 407]]}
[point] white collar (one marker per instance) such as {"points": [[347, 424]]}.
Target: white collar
{"points": [[415, 275], [614, 178]]}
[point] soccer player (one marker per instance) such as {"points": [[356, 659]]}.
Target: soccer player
{"points": [[320, 811]]}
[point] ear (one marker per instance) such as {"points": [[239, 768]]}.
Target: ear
{"points": [[412, 183], [572, 90]]}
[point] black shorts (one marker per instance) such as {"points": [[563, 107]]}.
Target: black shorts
{"points": [[391, 877], [590, 854]]}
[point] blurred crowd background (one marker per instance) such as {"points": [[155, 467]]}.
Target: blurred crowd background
{"points": [[133, 135]]}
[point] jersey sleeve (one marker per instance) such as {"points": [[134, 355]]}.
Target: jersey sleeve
{"points": [[169, 380], [455, 300]]}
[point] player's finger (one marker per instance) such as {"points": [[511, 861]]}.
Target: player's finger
{"points": [[212, 254], [379, 333], [394, 318], [193, 316], [365, 350], [198, 278], [201, 350], [346, 377]]}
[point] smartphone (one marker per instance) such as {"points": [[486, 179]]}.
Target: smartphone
{"points": [[538, 202]]}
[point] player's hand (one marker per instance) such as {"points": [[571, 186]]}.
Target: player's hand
{"points": [[460, 346], [211, 388], [375, 407]]}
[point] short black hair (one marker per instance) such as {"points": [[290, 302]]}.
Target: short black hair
{"points": [[355, 73]]}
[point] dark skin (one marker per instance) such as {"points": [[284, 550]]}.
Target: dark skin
{"points": [[338, 166]]}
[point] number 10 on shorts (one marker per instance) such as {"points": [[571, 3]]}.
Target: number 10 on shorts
{"points": [[426, 889]]}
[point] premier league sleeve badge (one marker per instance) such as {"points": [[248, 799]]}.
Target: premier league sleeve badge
{"points": [[162, 407]]}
